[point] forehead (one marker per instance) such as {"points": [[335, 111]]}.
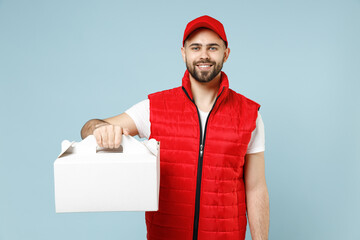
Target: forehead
{"points": [[204, 36]]}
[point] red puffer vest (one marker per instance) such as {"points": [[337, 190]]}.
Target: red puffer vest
{"points": [[202, 192]]}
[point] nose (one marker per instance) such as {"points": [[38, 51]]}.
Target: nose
{"points": [[204, 54]]}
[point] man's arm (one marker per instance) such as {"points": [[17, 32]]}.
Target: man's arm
{"points": [[108, 132], [257, 197]]}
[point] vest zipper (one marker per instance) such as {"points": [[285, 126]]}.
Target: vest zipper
{"points": [[200, 164]]}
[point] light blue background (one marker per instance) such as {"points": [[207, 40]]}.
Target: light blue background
{"points": [[64, 62]]}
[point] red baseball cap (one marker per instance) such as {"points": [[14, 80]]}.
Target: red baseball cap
{"points": [[205, 22]]}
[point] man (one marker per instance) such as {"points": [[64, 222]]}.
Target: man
{"points": [[212, 147]]}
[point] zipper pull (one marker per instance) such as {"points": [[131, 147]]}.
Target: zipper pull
{"points": [[201, 150]]}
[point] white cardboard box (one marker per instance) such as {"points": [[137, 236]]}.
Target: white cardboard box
{"points": [[90, 180]]}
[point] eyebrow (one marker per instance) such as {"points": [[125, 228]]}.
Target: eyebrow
{"points": [[208, 45]]}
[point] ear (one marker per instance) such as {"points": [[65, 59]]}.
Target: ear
{"points": [[226, 54], [183, 54]]}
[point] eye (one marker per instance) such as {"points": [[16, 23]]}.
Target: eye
{"points": [[195, 48], [212, 48]]}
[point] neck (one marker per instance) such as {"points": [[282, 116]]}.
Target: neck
{"points": [[205, 93]]}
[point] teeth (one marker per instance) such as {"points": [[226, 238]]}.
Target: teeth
{"points": [[204, 66]]}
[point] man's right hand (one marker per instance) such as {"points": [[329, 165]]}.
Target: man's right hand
{"points": [[108, 135], [108, 132]]}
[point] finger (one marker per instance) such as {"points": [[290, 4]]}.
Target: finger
{"points": [[126, 131], [97, 135], [111, 136], [105, 137], [117, 136]]}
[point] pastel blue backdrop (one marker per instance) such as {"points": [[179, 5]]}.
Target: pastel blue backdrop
{"points": [[64, 62]]}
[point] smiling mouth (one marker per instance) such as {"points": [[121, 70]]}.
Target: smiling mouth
{"points": [[204, 66]]}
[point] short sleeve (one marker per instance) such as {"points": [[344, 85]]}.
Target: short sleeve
{"points": [[140, 114], [257, 141]]}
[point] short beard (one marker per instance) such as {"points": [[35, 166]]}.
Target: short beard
{"points": [[202, 76]]}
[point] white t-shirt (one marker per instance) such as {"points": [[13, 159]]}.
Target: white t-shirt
{"points": [[140, 114]]}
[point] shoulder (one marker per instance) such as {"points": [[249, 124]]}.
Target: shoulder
{"points": [[166, 99], [243, 100], [164, 93]]}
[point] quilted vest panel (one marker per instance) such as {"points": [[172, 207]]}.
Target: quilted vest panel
{"points": [[214, 170]]}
